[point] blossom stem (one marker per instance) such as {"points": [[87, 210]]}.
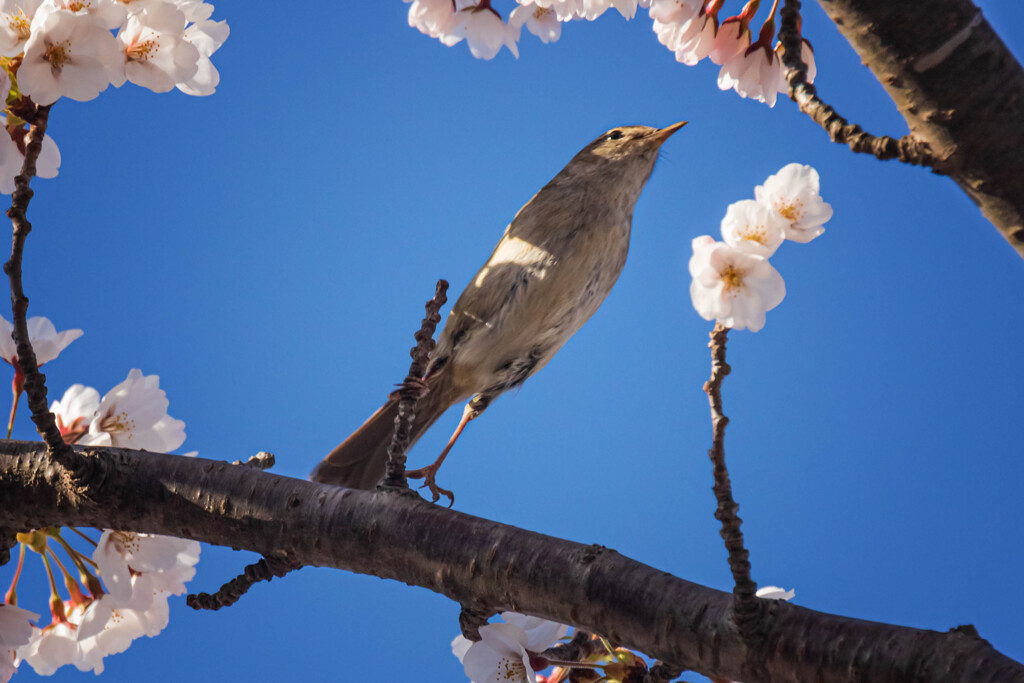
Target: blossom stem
{"points": [[83, 535], [76, 557], [11, 597], [17, 384]]}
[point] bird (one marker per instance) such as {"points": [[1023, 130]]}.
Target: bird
{"points": [[550, 271]]}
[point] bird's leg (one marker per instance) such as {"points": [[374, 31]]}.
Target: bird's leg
{"points": [[471, 412]]}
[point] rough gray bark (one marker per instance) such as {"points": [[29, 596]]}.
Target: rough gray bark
{"points": [[484, 565], [959, 88]]}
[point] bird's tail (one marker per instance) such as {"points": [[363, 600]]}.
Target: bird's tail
{"points": [[359, 461]]}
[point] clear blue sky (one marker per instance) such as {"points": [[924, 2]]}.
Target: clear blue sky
{"points": [[267, 251]]}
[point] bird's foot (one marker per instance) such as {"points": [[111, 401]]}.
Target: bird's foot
{"points": [[427, 474]]}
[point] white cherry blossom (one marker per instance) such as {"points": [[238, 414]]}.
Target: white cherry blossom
{"points": [[207, 36], [502, 654], [156, 54], [16, 24], [434, 18], [132, 415], [734, 288], [793, 194], [108, 13], [732, 38], [540, 21], [685, 28], [46, 341], [775, 593], [51, 648], [755, 73], [67, 55], [565, 10], [119, 553], [753, 228], [15, 631], [484, 30]]}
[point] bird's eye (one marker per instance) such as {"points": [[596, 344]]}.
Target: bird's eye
{"points": [[615, 135]]}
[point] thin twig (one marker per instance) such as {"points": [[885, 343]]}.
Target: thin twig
{"points": [[746, 606], [907, 149], [413, 388], [266, 569], [35, 381]]}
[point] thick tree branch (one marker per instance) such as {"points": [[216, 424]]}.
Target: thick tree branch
{"points": [[959, 88], [475, 561]]}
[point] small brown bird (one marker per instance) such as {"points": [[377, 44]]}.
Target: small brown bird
{"points": [[553, 267]]}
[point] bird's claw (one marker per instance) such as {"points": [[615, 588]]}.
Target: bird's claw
{"points": [[427, 474]]}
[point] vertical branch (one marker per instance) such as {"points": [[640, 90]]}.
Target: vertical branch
{"points": [[413, 388], [35, 381], [745, 603]]}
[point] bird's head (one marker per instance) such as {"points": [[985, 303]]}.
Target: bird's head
{"points": [[622, 152]]}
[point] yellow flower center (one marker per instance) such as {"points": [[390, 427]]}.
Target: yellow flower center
{"points": [[732, 278], [19, 24], [58, 54], [142, 51], [118, 422], [791, 212], [541, 12], [511, 669], [755, 233]]}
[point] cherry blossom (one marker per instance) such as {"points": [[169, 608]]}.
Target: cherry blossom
{"points": [[753, 228], [16, 24], [685, 27], [52, 647], [793, 194], [484, 30], [434, 18], [503, 652], [46, 341], [15, 631], [540, 21], [565, 10], [156, 54], [131, 415], [732, 38], [207, 36], [732, 287], [775, 593], [67, 55]]}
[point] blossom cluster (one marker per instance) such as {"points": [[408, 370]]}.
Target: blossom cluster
{"points": [[76, 48], [140, 572], [505, 650], [733, 282], [135, 574], [689, 28]]}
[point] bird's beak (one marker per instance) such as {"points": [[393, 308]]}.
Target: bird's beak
{"points": [[666, 132]]}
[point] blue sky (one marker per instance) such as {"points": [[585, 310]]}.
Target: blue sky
{"points": [[267, 252]]}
